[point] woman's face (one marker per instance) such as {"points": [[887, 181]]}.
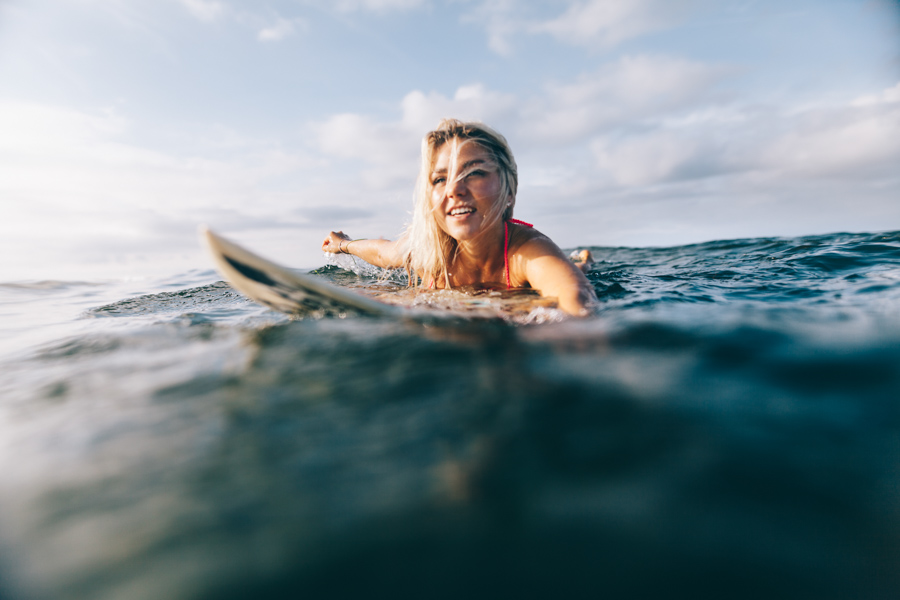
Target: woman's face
{"points": [[465, 187]]}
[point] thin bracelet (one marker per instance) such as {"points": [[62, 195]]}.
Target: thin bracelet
{"points": [[347, 251]]}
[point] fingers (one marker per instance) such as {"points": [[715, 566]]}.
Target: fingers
{"points": [[332, 242], [581, 256]]}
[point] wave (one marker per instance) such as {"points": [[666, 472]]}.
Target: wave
{"points": [[731, 410], [49, 285]]}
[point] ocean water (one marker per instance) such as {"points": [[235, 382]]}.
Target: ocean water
{"points": [[727, 426]]}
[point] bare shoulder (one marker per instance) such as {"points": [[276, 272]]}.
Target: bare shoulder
{"points": [[532, 255], [537, 262], [529, 243]]}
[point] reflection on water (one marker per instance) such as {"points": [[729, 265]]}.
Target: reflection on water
{"points": [[727, 426]]}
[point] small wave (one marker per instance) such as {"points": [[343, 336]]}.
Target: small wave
{"points": [[731, 384], [345, 262], [48, 285], [186, 300]]}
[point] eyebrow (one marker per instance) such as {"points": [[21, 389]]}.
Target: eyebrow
{"points": [[465, 166]]}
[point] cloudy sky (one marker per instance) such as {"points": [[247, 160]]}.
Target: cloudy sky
{"points": [[126, 123]]}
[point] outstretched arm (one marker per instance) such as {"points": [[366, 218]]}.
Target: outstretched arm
{"points": [[381, 253], [552, 274]]}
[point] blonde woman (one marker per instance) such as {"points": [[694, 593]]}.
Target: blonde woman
{"points": [[462, 231]]}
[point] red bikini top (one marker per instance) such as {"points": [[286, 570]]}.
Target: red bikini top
{"points": [[506, 246], [505, 249]]}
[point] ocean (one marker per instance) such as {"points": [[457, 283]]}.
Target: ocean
{"points": [[726, 426]]}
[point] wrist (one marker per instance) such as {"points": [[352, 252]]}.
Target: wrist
{"points": [[345, 245]]}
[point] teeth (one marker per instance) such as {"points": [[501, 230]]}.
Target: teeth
{"points": [[461, 211]]}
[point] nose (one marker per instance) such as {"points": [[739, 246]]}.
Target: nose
{"points": [[457, 187]]}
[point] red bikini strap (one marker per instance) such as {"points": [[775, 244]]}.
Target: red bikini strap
{"points": [[506, 246]]}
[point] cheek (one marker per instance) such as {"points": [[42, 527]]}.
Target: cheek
{"points": [[437, 197], [491, 189]]}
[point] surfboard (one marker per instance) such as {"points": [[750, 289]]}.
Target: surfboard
{"points": [[299, 294], [284, 290]]}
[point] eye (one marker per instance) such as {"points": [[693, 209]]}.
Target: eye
{"points": [[438, 180], [475, 173]]}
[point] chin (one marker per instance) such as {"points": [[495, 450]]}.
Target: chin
{"points": [[463, 236]]}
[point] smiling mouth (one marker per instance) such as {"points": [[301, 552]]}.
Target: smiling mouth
{"points": [[462, 210]]}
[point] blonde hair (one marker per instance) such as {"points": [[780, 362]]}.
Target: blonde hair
{"points": [[431, 249]]}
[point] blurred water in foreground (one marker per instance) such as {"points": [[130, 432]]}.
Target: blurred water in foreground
{"points": [[728, 426]]}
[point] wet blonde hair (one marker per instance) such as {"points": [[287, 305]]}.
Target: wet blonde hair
{"points": [[431, 249]]}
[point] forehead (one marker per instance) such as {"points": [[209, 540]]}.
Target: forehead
{"points": [[459, 152]]}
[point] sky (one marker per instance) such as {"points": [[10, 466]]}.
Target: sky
{"points": [[124, 124]]}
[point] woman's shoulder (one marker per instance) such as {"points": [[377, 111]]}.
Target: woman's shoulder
{"points": [[531, 243]]}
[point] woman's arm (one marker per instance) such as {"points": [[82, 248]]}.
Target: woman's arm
{"points": [[381, 253], [549, 271]]}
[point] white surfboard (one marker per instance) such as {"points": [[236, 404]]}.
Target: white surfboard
{"points": [[284, 290], [293, 293]]}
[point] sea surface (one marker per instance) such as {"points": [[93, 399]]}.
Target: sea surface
{"points": [[726, 426]]}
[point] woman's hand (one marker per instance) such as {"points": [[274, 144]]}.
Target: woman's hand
{"points": [[583, 259], [332, 243], [381, 253], [550, 272]]}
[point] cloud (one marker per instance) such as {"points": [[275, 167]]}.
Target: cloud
{"points": [[474, 102], [781, 145], [649, 149], [619, 93], [610, 22], [377, 5], [655, 158], [205, 10], [62, 161], [280, 30], [387, 150], [589, 23], [80, 186], [577, 136], [269, 26], [859, 140], [502, 20], [390, 150], [889, 95]]}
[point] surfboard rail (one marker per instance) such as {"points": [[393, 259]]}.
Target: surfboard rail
{"points": [[282, 289]]}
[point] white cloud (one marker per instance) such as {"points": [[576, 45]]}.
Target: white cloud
{"points": [[205, 10], [353, 136], [474, 102], [280, 30], [377, 5], [838, 142], [610, 22], [619, 94], [889, 95], [390, 150], [590, 23], [269, 26], [652, 154], [642, 121], [647, 159], [36, 128], [74, 176], [782, 145], [387, 151], [502, 20]]}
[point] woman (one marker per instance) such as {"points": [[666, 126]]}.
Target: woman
{"points": [[462, 231]]}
